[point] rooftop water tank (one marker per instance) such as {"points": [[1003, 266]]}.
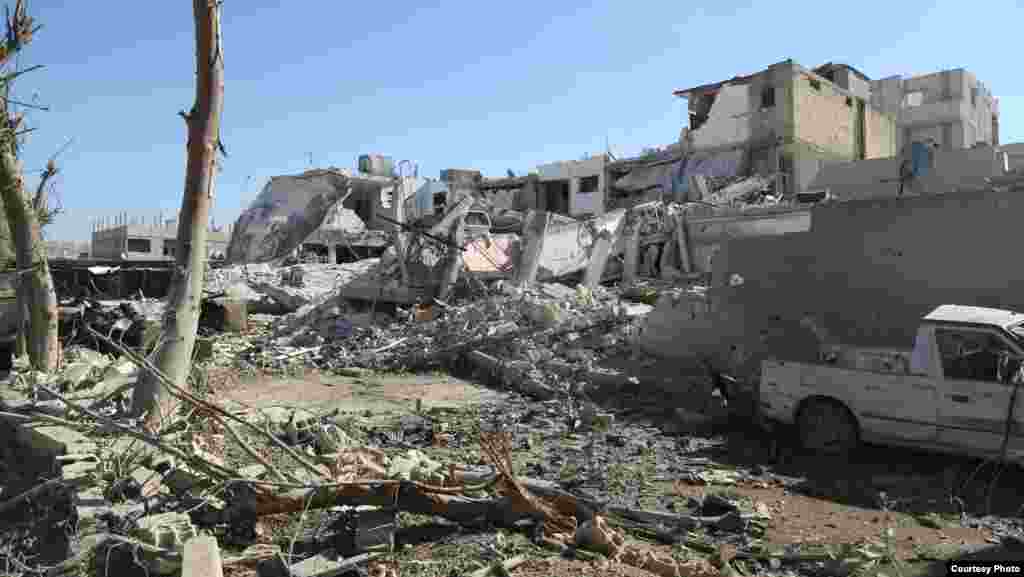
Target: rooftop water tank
{"points": [[377, 165]]}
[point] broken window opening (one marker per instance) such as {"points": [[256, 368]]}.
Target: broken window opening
{"points": [[849, 101], [974, 97], [588, 184], [138, 245], [701, 109], [768, 97], [971, 355], [169, 249], [696, 120], [815, 83], [556, 195], [785, 164], [912, 99]]}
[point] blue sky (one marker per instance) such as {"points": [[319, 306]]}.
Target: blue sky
{"points": [[486, 85]]}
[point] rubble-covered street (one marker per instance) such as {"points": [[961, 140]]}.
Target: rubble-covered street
{"points": [[508, 426]]}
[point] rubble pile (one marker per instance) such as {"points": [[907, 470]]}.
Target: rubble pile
{"points": [[281, 290], [741, 190], [553, 329]]}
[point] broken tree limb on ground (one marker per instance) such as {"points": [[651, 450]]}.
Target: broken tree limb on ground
{"points": [[402, 495], [7, 506], [213, 469], [147, 366]]}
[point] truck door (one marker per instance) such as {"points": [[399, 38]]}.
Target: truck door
{"points": [[974, 402]]}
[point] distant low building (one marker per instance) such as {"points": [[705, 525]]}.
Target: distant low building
{"points": [[136, 240], [67, 249]]}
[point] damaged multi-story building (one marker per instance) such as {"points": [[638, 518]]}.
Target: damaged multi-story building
{"points": [[951, 109], [786, 120]]}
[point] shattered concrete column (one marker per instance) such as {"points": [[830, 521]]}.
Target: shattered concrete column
{"points": [[685, 258], [332, 253], [533, 243], [632, 253], [454, 264], [606, 239]]}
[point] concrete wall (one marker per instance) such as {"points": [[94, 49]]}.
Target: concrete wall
{"points": [[953, 170], [822, 116], [880, 134], [866, 271], [864, 178], [573, 170]]}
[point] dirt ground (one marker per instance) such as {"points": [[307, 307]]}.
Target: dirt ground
{"points": [[907, 506], [373, 392]]}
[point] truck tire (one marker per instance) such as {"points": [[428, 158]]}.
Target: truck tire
{"points": [[827, 427]]}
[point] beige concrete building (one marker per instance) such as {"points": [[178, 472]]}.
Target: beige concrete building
{"points": [[788, 120], [951, 108], [128, 239]]}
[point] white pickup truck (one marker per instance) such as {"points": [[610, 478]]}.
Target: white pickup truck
{"points": [[955, 392]]}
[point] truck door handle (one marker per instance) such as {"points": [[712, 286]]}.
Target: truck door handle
{"points": [[960, 398]]}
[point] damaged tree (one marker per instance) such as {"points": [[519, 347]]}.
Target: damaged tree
{"points": [[174, 354], [36, 295]]}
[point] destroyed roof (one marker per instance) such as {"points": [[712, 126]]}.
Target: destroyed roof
{"points": [[686, 92], [974, 315], [506, 182], [833, 65]]}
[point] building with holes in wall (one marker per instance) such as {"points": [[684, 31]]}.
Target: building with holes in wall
{"points": [[788, 120], [951, 108]]}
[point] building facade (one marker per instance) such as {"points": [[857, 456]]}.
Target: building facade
{"points": [[788, 120], [950, 108], [149, 241], [573, 187]]}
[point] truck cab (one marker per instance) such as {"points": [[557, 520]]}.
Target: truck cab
{"points": [[955, 391]]}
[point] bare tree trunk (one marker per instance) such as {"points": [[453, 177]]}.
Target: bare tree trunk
{"points": [[174, 355], [35, 289], [36, 294]]}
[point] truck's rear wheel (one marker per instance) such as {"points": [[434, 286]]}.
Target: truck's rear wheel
{"points": [[827, 427]]}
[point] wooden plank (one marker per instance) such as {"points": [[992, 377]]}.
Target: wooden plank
{"points": [[202, 558]]}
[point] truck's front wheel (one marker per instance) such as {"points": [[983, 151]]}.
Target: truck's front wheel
{"points": [[827, 427]]}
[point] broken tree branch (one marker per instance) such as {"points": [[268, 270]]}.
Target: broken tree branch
{"points": [[187, 396], [252, 453], [213, 469], [32, 493], [40, 196]]}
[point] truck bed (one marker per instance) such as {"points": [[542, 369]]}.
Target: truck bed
{"points": [[876, 360]]}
